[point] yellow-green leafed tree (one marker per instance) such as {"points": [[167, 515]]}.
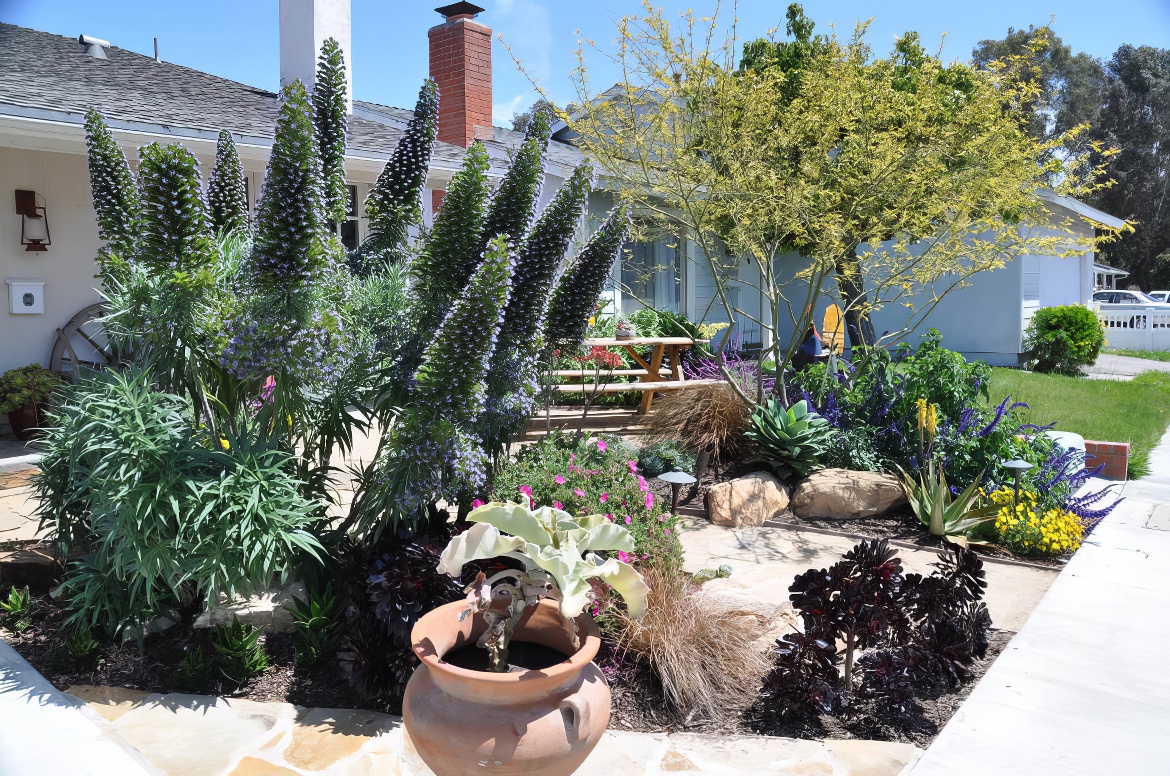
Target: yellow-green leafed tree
{"points": [[872, 180]]}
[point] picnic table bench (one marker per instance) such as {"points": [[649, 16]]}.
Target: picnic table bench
{"points": [[653, 376]]}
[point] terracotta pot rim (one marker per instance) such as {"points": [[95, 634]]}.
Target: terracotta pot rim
{"points": [[565, 670]]}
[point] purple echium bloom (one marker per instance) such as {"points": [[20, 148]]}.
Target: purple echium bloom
{"points": [[1000, 411]]}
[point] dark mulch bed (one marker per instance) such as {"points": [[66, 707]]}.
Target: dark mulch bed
{"points": [[155, 667], [639, 705]]}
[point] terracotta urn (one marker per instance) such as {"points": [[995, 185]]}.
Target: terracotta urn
{"points": [[527, 721]]}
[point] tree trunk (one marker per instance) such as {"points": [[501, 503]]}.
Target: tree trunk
{"points": [[852, 287]]}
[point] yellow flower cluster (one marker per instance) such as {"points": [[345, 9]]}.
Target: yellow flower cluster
{"points": [[1026, 531], [927, 418]]}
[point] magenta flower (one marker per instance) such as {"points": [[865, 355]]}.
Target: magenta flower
{"points": [[572, 457], [558, 505], [642, 486], [601, 445], [560, 479], [633, 466], [649, 501], [609, 517], [578, 493], [623, 556], [604, 498], [629, 519], [661, 518], [477, 503], [527, 491]]}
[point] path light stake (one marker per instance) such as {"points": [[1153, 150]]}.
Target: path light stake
{"points": [[677, 478], [1017, 467]]}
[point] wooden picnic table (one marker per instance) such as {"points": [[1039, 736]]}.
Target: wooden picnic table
{"points": [[655, 378]]}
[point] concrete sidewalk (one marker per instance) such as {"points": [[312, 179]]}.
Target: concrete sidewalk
{"points": [[1110, 366], [1082, 688]]}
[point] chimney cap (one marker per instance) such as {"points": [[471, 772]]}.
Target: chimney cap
{"points": [[462, 8]]}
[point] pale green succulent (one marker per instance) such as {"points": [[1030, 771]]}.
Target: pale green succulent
{"points": [[559, 555]]}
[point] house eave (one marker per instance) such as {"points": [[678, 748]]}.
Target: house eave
{"points": [[1081, 209]]}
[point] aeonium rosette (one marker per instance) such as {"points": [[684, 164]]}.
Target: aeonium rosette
{"points": [[559, 553]]}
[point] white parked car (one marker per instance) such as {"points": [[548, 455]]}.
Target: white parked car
{"points": [[1136, 298], [1159, 296]]}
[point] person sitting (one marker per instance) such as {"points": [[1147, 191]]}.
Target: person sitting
{"points": [[809, 350]]}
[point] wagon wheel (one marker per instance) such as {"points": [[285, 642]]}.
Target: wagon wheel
{"points": [[82, 344]]}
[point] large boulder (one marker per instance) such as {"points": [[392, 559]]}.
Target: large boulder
{"points": [[746, 501], [846, 495]]}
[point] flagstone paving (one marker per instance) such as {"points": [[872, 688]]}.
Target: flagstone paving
{"points": [[196, 735]]}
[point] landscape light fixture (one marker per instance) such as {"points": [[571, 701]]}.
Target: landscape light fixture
{"points": [[677, 478], [1017, 466], [34, 222]]}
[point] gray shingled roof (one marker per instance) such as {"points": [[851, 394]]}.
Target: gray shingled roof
{"points": [[50, 72]]}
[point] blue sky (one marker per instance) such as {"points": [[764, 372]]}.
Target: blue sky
{"points": [[238, 39]]}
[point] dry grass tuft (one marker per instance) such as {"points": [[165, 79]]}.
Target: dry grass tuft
{"points": [[702, 649], [713, 417]]}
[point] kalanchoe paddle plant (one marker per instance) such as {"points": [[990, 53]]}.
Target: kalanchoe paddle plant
{"points": [[559, 553]]}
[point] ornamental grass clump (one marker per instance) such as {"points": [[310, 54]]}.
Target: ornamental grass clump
{"points": [[1028, 529], [702, 648], [712, 419]]}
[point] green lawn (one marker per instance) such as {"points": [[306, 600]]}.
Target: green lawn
{"points": [[1105, 410], [1153, 355]]}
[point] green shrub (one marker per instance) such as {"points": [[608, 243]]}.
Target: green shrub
{"points": [[1061, 340], [942, 377], [239, 655], [158, 511], [195, 670], [855, 449], [659, 457], [28, 385], [791, 440], [80, 652]]}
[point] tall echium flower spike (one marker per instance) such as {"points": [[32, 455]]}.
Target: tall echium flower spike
{"points": [[576, 295], [513, 204], [450, 383], [227, 199], [115, 194], [330, 121], [512, 383], [395, 201], [288, 252], [451, 252], [176, 232]]}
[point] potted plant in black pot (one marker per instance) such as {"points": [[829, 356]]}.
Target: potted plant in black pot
{"points": [[24, 394]]}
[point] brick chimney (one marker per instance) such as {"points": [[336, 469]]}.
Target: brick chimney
{"points": [[461, 66], [304, 26]]}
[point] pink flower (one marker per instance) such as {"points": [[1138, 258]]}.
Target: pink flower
{"points": [[560, 479], [629, 519], [609, 517], [268, 389], [668, 532], [558, 505], [578, 493], [633, 466], [649, 501], [477, 503], [642, 486], [572, 457], [527, 491], [623, 556], [604, 498], [601, 445]]}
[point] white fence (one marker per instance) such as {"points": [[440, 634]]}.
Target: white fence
{"points": [[1130, 327]]}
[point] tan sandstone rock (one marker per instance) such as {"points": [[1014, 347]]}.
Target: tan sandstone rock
{"points": [[746, 501], [845, 495]]}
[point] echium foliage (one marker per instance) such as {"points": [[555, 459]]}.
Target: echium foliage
{"points": [[432, 453], [512, 385], [175, 235], [227, 199], [576, 294], [115, 195], [513, 205], [395, 200], [330, 120], [452, 251], [289, 249]]}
